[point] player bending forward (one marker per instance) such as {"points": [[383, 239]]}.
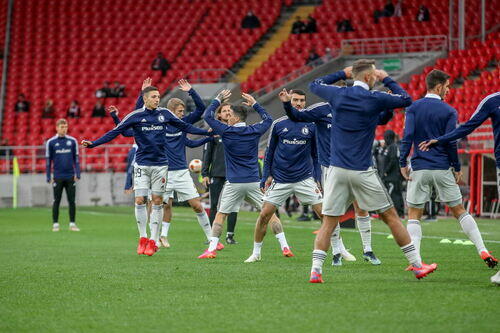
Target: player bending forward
{"points": [[351, 176], [150, 170], [290, 167], [242, 172], [321, 114]]}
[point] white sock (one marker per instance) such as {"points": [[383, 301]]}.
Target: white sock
{"points": [[365, 231], [204, 222], [319, 257], [469, 226], [165, 226], [282, 239], [213, 243], [141, 216], [55, 225], [415, 231], [412, 255], [335, 240], [72, 224], [154, 221], [256, 248]]}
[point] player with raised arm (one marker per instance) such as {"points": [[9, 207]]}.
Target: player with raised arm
{"points": [[350, 175], [241, 143], [150, 170], [295, 109], [179, 178], [290, 167], [62, 151], [433, 163]]}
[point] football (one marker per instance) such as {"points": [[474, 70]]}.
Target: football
{"points": [[195, 165]]}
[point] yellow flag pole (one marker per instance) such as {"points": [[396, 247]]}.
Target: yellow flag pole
{"points": [[15, 177]]}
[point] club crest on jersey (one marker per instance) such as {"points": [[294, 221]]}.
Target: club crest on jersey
{"points": [[161, 118], [68, 143], [305, 130]]}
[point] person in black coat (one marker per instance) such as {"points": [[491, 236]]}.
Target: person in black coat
{"points": [[390, 172], [250, 21], [160, 64]]}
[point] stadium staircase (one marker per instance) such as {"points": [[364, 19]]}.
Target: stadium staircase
{"points": [[273, 43]]}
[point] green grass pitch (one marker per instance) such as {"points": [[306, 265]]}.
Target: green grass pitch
{"points": [[94, 281]]}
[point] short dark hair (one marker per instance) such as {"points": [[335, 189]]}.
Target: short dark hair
{"points": [[149, 89], [298, 92], [362, 65], [340, 83], [435, 77], [240, 111]]}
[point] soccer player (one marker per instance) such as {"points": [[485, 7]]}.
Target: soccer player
{"points": [[350, 175], [241, 143], [214, 173], [179, 178], [149, 129], [430, 168], [62, 150], [290, 167], [321, 114]]}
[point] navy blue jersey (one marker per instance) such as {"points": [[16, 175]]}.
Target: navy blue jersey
{"points": [[488, 108], [291, 154], [149, 131], [177, 140], [355, 115], [321, 115], [63, 152], [241, 144], [426, 118]]}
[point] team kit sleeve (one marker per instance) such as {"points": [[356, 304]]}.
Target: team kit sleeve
{"points": [[482, 113], [407, 140], [314, 156], [196, 143], [196, 115], [399, 98], [130, 169], [308, 115], [451, 146], [129, 132], [48, 158], [323, 87], [125, 124], [183, 126], [140, 102], [266, 122], [76, 159], [217, 126]]}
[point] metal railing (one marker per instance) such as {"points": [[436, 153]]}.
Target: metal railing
{"points": [[334, 54], [31, 159], [431, 43]]}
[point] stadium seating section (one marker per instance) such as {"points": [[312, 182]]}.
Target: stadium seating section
{"points": [[459, 64], [293, 53], [67, 51]]}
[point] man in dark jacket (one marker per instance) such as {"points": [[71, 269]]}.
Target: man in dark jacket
{"points": [[389, 170], [214, 174]]}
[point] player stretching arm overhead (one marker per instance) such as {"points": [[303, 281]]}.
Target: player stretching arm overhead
{"points": [[149, 129]]}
